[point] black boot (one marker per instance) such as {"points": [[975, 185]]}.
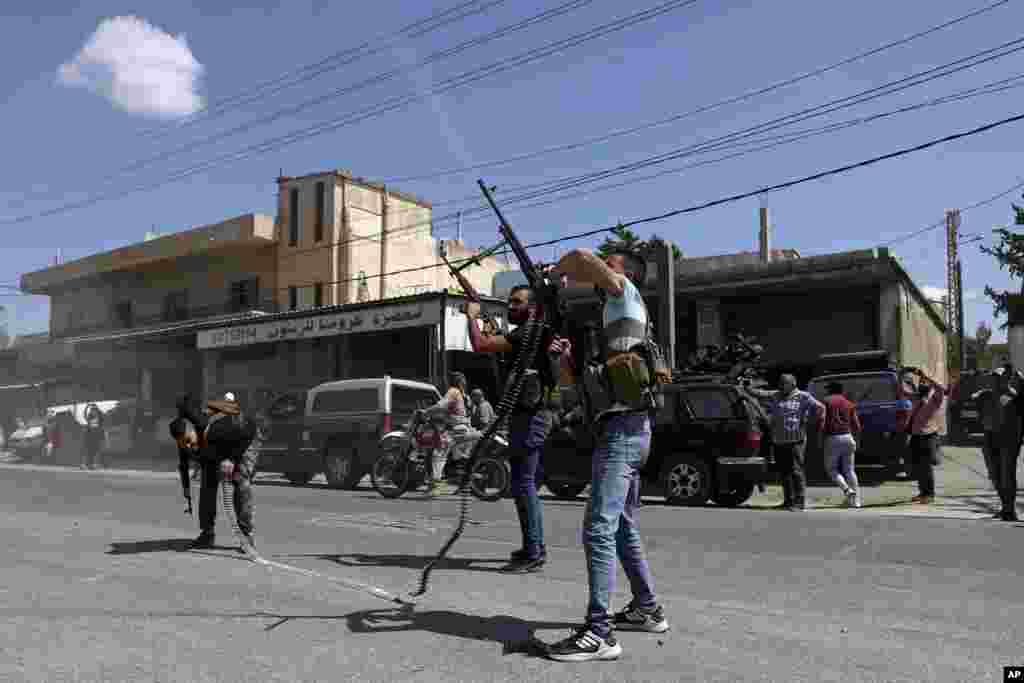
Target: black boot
{"points": [[203, 540]]}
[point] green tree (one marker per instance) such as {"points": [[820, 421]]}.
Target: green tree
{"points": [[1009, 252], [624, 237]]}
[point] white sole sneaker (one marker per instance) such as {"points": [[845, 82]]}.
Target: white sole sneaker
{"points": [[604, 653]]}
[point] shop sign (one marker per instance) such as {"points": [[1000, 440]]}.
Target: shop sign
{"points": [[366, 320]]}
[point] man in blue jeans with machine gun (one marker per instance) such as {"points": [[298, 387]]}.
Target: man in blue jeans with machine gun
{"points": [[621, 390]]}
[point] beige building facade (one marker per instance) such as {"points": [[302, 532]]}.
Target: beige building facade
{"points": [[143, 320]]}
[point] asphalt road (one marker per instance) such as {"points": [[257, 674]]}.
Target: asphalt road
{"points": [[97, 586]]}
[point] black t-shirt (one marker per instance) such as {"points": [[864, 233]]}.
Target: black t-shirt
{"points": [[542, 362]]}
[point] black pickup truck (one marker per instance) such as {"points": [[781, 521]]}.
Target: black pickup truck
{"points": [[706, 445]]}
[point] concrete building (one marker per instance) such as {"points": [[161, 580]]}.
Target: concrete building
{"points": [[799, 307], [151, 319]]}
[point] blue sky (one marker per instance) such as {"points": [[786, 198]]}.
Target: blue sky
{"points": [[67, 128]]}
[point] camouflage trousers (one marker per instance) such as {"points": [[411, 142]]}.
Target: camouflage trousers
{"points": [[209, 483]]}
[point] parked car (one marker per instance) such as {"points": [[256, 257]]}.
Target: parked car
{"points": [[706, 445], [883, 413], [335, 427], [28, 438]]}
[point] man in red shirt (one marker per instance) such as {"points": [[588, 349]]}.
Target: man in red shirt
{"points": [[841, 423]]}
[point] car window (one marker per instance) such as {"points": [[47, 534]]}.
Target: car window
{"points": [[711, 404], [859, 388], [409, 399], [347, 400], [286, 406]]}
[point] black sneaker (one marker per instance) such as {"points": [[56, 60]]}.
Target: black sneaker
{"points": [[204, 540], [524, 565], [584, 646], [521, 555], [635, 619]]}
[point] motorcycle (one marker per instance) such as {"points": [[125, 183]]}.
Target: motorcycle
{"points": [[406, 455]]}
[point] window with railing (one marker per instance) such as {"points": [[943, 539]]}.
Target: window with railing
{"points": [[244, 295], [293, 218], [321, 205]]}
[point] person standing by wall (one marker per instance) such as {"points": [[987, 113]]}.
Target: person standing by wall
{"points": [[991, 422], [841, 425], [1008, 440], [791, 411], [94, 437], [925, 416]]}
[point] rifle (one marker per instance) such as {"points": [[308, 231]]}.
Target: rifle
{"points": [[490, 324]]}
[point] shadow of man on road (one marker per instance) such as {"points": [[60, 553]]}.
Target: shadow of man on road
{"points": [[515, 635], [164, 545], [412, 561], [177, 545]]}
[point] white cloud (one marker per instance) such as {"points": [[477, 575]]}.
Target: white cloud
{"points": [[936, 294], [138, 67]]}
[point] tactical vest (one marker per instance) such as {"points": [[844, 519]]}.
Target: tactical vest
{"points": [[626, 374]]}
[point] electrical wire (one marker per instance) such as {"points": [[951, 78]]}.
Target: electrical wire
{"points": [[438, 56], [397, 103], [724, 200], [332, 62], [998, 86], [700, 110]]}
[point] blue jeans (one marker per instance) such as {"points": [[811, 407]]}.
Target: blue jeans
{"points": [[528, 432], [610, 526]]}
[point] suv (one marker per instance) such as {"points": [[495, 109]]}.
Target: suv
{"points": [[883, 411], [706, 444], [335, 427]]}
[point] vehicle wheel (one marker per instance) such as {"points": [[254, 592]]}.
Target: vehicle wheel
{"points": [[391, 474], [566, 491], [686, 480], [340, 467], [296, 478], [490, 479], [737, 493]]}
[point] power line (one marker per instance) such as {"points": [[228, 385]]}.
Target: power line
{"points": [[723, 200], [438, 56], [330, 63], [396, 103], [776, 141], [700, 110], [606, 137], [942, 223]]}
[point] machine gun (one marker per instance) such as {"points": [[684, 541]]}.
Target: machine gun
{"points": [[549, 314], [735, 361]]}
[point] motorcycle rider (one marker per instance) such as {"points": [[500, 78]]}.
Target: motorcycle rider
{"points": [[529, 423], [453, 409]]}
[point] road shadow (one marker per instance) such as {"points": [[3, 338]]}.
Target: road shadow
{"points": [[516, 636], [166, 545], [478, 564], [174, 545]]}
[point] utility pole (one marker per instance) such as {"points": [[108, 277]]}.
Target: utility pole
{"points": [[960, 317], [954, 298]]}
